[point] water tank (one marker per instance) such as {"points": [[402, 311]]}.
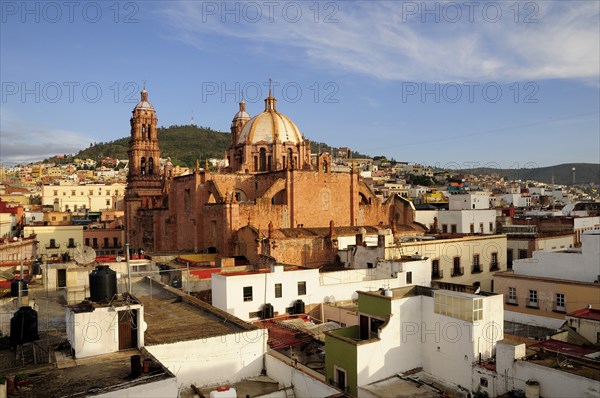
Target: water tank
{"points": [[532, 389], [267, 311], [14, 287], [24, 326], [298, 307], [103, 284]]}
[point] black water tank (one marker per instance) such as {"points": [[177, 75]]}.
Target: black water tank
{"points": [[24, 326], [267, 311], [14, 287], [299, 307], [103, 284]]}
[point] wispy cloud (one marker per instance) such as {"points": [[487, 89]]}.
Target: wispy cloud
{"points": [[382, 39], [25, 141]]}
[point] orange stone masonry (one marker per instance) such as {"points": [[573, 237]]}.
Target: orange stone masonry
{"points": [[244, 210]]}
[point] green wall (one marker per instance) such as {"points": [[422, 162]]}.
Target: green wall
{"points": [[379, 306]]}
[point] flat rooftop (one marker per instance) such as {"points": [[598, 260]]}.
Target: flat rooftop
{"points": [[88, 376], [174, 316]]}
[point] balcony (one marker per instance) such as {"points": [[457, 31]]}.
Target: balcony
{"points": [[476, 269], [437, 274], [494, 267], [458, 271]]}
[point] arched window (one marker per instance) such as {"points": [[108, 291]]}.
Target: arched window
{"points": [[263, 159], [325, 166], [143, 166], [143, 131], [150, 166], [290, 158]]}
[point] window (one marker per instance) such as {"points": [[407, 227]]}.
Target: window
{"points": [[483, 382], [108, 192], [481, 227], [435, 269], [55, 192], [457, 270], [73, 193], [108, 202], [559, 303], [95, 242], [71, 242], [445, 228], [533, 298], [522, 253], [52, 242], [87, 241], [301, 288], [262, 153], [476, 267], [494, 263], [453, 228], [278, 290], [509, 258], [106, 242], [512, 295], [477, 310], [115, 242], [472, 228], [491, 227], [247, 293], [409, 278]]}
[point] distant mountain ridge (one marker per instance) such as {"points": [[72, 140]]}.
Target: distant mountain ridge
{"points": [[561, 174]]}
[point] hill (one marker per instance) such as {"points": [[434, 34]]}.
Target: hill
{"points": [[183, 144], [562, 174]]}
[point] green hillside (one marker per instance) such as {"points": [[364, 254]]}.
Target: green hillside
{"points": [[183, 144]]}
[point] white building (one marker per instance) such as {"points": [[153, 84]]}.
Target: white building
{"points": [[469, 201], [576, 265], [516, 199], [443, 332], [90, 197], [481, 221], [244, 294]]}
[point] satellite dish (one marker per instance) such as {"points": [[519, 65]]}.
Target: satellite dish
{"points": [[84, 255]]}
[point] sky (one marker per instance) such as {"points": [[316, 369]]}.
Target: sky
{"points": [[451, 84]]}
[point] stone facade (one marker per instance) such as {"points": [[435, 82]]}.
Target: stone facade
{"points": [[232, 212]]}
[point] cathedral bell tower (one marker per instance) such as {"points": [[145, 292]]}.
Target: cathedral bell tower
{"points": [[144, 182]]}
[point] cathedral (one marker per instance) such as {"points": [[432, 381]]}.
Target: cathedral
{"points": [[272, 201]]}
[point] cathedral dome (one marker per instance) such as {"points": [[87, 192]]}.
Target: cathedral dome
{"points": [[144, 104], [270, 127], [242, 114]]}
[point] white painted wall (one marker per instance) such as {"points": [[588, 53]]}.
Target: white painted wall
{"points": [[554, 383], [164, 388], [303, 384], [97, 332], [418, 337], [222, 359], [533, 320], [581, 266], [227, 290], [469, 201]]}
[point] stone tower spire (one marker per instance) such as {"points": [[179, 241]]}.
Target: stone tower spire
{"points": [[144, 180]]}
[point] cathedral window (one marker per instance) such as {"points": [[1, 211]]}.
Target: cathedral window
{"points": [[150, 166], [263, 159], [143, 131], [149, 130], [143, 166]]}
